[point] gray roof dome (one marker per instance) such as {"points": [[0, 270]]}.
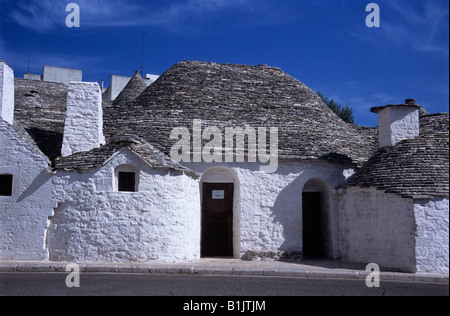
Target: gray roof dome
{"points": [[224, 95], [414, 168], [132, 90]]}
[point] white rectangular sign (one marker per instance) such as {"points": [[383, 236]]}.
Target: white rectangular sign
{"points": [[218, 194]]}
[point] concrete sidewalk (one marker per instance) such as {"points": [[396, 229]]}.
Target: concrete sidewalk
{"points": [[319, 269]]}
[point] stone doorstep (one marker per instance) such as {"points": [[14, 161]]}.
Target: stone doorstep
{"points": [[215, 267]]}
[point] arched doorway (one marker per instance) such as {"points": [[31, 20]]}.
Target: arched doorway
{"points": [[220, 214], [316, 216]]}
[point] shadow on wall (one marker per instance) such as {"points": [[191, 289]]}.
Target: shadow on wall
{"points": [[287, 212], [49, 142], [304, 209], [38, 182]]}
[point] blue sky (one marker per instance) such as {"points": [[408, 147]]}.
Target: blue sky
{"points": [[323, 43]]}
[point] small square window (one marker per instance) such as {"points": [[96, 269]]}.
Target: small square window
{"points": [[127, 182], [6, 182]]}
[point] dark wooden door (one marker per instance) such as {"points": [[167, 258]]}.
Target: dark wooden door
{"points": [[217, 220], [312, 225]]}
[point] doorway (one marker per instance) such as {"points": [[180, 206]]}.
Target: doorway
{"points": [[217, 220], [319, 223], [313, 234]]}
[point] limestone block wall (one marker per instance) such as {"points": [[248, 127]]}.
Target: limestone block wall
{"points": [[23, 216], [268, 207], [83, 127], [377, 227], [6, 93], [432, 237], [271, 214], [404, 125], [94, 222], [398, 123]]}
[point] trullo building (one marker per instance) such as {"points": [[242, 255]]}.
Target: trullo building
{"points": [[217, 160]]}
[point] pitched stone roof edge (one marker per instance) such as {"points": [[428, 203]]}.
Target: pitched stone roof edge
{"points": [[378, 109], [401, 195], [109, 155], [24, 136]]}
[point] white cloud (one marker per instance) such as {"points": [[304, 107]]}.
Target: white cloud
{"points": [[37, 15], [18, 60], [383, 98], [421, 29], [45, 15], [419, 25]]}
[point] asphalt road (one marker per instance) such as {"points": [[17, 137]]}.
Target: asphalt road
{"points": [[54, 284]]}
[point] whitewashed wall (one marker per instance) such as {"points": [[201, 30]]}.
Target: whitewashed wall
{"points": [[83, 126], [94, 223], [268, 207], [377, 227], [397, 123], [6, 93], [432, 236], [23, 216]]}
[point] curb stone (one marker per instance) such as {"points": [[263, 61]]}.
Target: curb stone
{"points": [[212, 271], [224, 270]]}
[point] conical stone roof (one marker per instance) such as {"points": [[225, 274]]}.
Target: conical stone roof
{"points": [[132, 90], [414, 168], [225, 95]]}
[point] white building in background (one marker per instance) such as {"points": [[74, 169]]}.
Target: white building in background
{"points": [[61, 75], [118, 83], [67, 75], [57, 74], [84, 182]]}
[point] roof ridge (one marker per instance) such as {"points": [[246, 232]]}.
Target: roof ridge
{"points": [[259, 66]]}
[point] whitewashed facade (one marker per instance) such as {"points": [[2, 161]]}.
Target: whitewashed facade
{"points": [[95, 222], [24, 213], [79, 214]]}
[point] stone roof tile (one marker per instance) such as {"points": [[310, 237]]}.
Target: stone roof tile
{"points": [[132, 90], [416, 168], [225, 95], [98, 156], [40, 108], [21, 133]]}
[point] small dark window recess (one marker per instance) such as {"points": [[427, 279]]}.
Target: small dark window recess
{"points": [[6, 182], [127, 182]]}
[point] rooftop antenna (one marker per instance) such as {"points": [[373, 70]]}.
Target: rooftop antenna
{"points": [[142, 58], [28, 69]]}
